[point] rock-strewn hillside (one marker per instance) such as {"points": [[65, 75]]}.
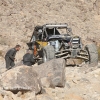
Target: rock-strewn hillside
{"points": [[82, 83], [18, 18], [17, 21]]}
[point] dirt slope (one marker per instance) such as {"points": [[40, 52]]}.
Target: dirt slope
{"points": [[18, 18]]}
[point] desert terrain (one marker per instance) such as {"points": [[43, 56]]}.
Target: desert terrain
{"points": [[17, 21]]}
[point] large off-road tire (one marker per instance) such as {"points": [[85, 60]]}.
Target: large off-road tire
{"points": [[48, 53], [93, 54]]}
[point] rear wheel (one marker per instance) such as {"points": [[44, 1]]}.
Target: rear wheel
{"points": [[48, 53], [93, 54]]}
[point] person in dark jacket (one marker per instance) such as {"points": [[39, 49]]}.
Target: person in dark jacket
{"points": [[10, 57], [28, 58]]}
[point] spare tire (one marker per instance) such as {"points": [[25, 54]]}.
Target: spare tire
{"points": [[93, 54], [48, 53]]}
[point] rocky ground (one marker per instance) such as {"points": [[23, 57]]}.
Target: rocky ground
{"points": [[82, 83], [17, 21]]}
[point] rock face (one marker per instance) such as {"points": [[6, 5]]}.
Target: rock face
{"points": [[21, 78], [97, 6], [19, 17], [52, 73]]}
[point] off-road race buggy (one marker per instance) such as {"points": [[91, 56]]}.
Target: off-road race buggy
{"points": [[57, 41]]}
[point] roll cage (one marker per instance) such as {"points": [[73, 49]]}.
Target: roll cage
{"points": [[43, 32]]}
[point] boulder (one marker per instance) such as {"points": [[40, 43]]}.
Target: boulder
{"points": [[21, 78], [52, 73]]}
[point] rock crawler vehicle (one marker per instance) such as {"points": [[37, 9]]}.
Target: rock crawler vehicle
{"points": [[57, 41]]}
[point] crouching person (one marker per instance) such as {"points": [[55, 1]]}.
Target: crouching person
{"points": [[28, 58]]}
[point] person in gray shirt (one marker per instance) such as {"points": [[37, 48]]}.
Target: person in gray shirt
{"points": [[10, 56]]}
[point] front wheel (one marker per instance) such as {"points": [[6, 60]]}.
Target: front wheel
{"points": [[93, 54], [48, 53]]}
